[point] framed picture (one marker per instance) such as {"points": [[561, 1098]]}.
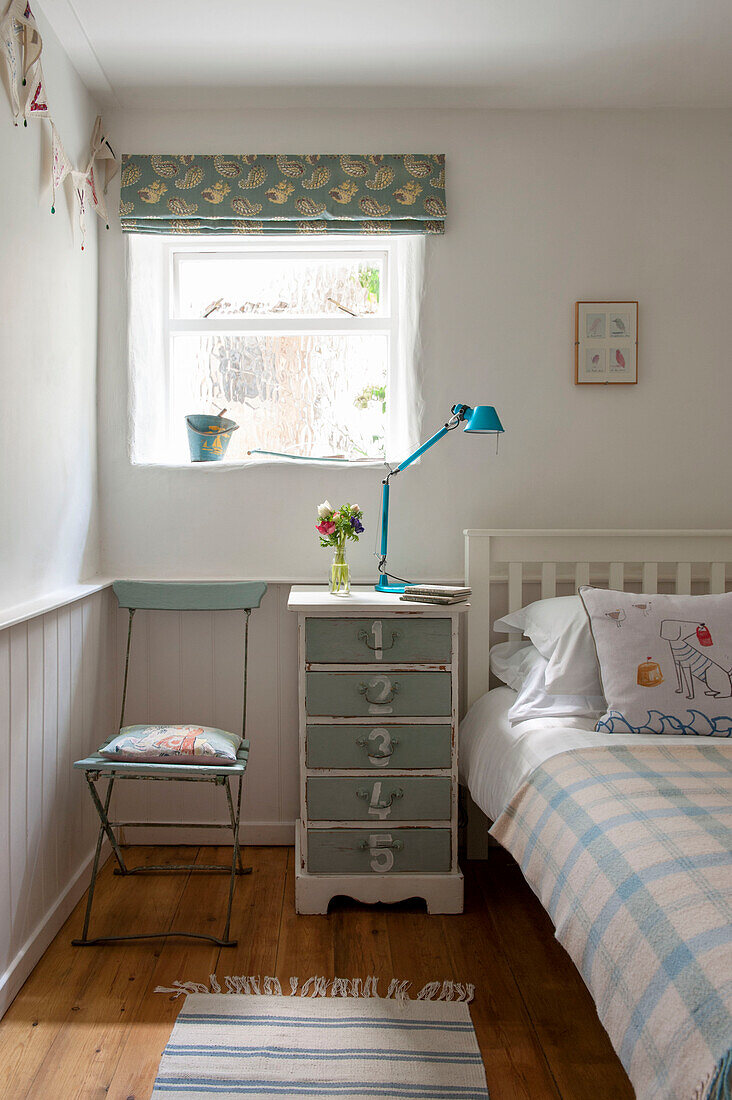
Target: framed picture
{"points": [[605, 343]]}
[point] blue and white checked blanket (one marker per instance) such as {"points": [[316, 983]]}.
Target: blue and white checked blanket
{"points": [[366, 1048], [630, 852]]}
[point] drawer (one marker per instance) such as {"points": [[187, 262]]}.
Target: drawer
{"points": [[378, 851], [418, 641], [371, 746], [360, 694], [382, 798]]}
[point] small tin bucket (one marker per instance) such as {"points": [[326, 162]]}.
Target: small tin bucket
{"points": [[208, 436]]}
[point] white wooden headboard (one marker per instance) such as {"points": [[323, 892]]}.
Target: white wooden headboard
{"points": [[640, 560]]}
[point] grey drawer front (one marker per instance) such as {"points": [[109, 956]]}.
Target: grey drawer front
{"points": [[379, 799], [364, 694], [376, 746], [330, 641], [378, 851]]}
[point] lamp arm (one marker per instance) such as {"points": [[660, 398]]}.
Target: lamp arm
{"points": [[458, 414]]}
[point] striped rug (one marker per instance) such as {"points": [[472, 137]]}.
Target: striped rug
{"points": [[229, 1046]]}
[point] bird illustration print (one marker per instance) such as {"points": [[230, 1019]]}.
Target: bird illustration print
{"points": [[280, 192], [153, 192], [217, 192], [407, 194], [344, 192], [691, 664]]}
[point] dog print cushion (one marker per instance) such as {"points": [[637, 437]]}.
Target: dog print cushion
{"points": [[173, 745], [665, 661]]}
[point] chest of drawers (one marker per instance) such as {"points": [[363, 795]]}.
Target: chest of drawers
{"points": [[378, 702]]}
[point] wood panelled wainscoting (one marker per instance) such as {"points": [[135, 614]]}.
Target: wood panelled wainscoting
{"points": [[56, 703]]}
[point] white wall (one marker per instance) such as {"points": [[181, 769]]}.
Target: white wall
{"points": [[48, 351], [544, 208]]}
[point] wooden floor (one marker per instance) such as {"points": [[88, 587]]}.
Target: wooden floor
{"points": [[88, 1025]]}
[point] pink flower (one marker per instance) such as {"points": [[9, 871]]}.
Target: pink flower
{"points": [[326, 528]]}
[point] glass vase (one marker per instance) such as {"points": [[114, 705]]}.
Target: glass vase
{"points": [[340, 573]]}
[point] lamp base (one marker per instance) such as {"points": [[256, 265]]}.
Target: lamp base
{"points": [[384, 585]]}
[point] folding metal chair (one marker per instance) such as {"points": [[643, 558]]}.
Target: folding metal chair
{"points": [[172, 596]]}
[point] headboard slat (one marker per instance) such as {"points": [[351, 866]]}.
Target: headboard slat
{"points": [[515, 585], [717, 572], [683, 578], [548, 580], [616, 575], [649, 580]]}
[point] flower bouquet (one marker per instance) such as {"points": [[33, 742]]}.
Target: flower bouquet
{"points": [[334, 527]]}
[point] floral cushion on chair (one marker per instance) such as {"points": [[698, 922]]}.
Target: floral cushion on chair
{"points": [[665, 661], [173, 745]]}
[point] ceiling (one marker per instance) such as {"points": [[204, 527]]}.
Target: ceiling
{"points": [[400, 53]]}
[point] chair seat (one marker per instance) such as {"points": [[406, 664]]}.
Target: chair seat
{"points": [[124, 768]]}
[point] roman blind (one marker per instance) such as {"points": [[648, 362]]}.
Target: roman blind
{"points": [[256, 193]]}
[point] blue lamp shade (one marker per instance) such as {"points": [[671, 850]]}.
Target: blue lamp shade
{"points": [[483, 418]]}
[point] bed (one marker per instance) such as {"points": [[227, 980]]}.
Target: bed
{"points": [[625, 838]]}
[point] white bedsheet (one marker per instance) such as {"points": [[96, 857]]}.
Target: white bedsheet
{"points": [[497, 758]]}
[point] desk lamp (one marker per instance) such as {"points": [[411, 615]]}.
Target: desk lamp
{"points": [[481, 420]]}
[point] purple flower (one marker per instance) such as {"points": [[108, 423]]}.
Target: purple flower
{"points": [[357, 526]]}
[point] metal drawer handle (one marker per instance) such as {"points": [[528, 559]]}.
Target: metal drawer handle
{"points": [[365, 742], [383, 697], [397, 845], [364, 637], [397, 793]]}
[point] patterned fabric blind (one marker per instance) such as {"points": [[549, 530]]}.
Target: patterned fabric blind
{"points": [[253, 193]]}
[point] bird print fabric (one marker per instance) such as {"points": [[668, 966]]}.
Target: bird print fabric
{"points": [[312, 193]]}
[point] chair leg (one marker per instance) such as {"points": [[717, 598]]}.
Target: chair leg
{"points": [[104, 828], [103, 811], [235, 856], [234, 819]]}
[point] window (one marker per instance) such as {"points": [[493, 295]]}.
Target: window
{"points": [[305, 343]]}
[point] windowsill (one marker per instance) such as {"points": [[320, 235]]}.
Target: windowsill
{"points": [[252, 463]]}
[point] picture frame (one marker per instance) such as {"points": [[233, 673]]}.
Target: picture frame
{"points": [[606, 343]]}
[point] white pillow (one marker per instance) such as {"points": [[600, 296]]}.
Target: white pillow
{"points": [[534, 702], [559, 629], [511, 663], [666, 661]]}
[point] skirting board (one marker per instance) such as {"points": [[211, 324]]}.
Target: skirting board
{"points": [[41, 936], [253, 833]]}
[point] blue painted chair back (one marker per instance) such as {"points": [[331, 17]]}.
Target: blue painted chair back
{"points": [[189, 596]]}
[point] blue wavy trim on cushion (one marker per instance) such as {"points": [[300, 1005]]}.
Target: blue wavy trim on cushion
{"points": [[721, 1085], [698, 725]]}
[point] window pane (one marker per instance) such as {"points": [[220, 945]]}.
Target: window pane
{"points": [[263, 285], [308, 394]]}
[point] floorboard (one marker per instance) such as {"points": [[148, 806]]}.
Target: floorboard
{"points": [[88, 1025]]}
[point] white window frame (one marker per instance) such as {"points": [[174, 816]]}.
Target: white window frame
{"points": [[386, 321]]}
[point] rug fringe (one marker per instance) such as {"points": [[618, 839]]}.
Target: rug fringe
{"points": [[316, 986]]}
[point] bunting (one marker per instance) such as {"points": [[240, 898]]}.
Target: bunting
{"points": [[22, 47]]}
